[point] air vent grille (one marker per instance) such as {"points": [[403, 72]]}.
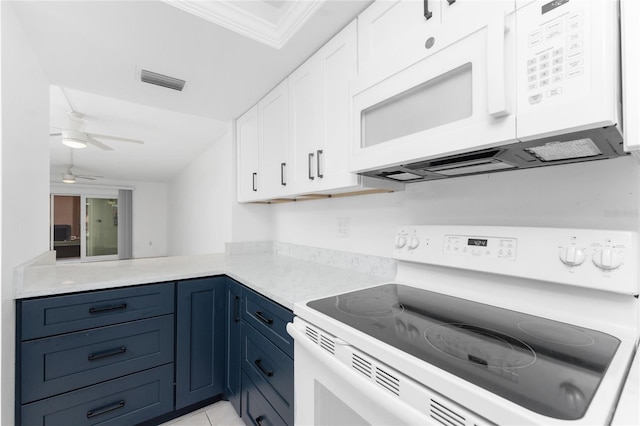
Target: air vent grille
{"points": [[444, 415], [387, 381], [162, 80], [361, 365], [312, 334], [327, 344]]}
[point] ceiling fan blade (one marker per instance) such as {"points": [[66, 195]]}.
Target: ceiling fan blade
{"points": [[55, 134], [87, 177], [116, 138], [98, 144]]}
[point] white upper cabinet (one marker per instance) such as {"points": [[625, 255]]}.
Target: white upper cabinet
{"points": [[248, 150], [273, 115], [320, 115], [392, 34]]}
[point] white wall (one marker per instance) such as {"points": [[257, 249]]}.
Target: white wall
{"points": [[198, 202], [25, 178], [600, 194], [149, 219]]}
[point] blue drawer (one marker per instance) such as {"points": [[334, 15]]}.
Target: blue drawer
{"points": [[58, 364], [268, 318], [270, 370], [63, 314], [124, 401], [256, 410]]}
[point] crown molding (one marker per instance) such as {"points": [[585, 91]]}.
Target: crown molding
{"points": [[274, 31]]}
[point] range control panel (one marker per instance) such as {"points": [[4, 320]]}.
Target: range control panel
{"points": [[600, 259]]}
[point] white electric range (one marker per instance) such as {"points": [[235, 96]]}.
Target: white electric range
{"points": [[483, 325]]}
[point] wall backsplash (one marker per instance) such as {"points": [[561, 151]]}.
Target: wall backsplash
{"points": [[599, 194]]}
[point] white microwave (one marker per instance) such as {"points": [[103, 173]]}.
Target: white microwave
{"points": [[516, 84]]}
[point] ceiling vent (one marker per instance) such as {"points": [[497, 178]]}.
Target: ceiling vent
{"points": [[161, 80]]}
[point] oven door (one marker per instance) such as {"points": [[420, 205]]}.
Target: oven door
{"points": [[458, 98], [336, 384]]}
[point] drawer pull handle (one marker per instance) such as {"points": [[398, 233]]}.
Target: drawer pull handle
{"points": [[107, 308], [105, 354], [266, 372], [105, 409], [262, 318], [259, 420]]}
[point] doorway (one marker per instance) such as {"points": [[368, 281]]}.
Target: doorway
{"points": [[84, 227]]}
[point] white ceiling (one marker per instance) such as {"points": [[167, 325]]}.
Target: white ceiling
{"points": [[95, 49]]}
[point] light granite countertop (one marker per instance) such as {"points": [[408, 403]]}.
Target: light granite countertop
{"points": [[284, 279]]}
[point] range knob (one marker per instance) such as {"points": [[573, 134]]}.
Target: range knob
{"points": [[414, 242], [607, 258], [572, 255], [401, 241]]}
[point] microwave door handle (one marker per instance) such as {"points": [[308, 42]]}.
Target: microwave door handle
{"points": [[496, 86]]}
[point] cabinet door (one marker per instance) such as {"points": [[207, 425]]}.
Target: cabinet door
{"points": [[234, 344], [248, 161], [338, 62], [320, 101], [200, 340], [393, 34], [273, 115], [306, 106]]}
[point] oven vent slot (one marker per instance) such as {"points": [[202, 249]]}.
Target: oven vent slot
{"points": [[362, 365], [387, 381], [445, 415], [312, 334], [327, 344]]}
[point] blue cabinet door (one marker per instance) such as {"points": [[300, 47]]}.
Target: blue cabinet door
{"points": [[234, 344], [200, 340]]}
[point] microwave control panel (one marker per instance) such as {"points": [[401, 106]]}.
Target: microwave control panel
{"points": [[556, 52]]}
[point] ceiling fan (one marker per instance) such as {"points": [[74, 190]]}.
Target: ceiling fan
{"points": [[69, 177], [74, 135]]}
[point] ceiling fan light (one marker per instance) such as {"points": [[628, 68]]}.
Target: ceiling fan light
{"points": [[74, 139], [68, 178]]}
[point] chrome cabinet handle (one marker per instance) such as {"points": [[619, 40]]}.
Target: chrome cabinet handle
{"points": [[99, 309], [255, 186], [282, 166], [105, 409], [108, 353], [266, 372], [310, 166], [262, 318], [320, 175]]}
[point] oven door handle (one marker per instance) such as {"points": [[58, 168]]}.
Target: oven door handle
{"points": [[367, 388]]}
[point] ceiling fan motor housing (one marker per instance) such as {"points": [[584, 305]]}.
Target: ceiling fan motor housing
{"points": [[74, 138]]}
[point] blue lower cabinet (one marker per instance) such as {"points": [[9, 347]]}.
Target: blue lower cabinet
{"points": [[200, 340], [124, 401], [233, 390], [256, 410], [270, 370], [58, 364]]}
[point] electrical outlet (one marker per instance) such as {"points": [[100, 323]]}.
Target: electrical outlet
{"points": [[343, 227]]}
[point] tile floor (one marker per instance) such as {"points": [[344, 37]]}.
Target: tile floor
{"points": [[218, 414]]}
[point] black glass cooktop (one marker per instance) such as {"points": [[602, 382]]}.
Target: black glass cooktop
{"points": [[549, 367]]}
